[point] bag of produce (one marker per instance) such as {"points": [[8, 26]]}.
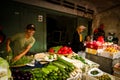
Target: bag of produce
{"points": [[5, 72]]}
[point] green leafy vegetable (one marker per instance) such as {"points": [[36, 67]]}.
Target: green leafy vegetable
{"points": [[23, 61], [3, 63]]}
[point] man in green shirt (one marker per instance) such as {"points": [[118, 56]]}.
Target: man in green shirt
{"points": [[22, 42]]}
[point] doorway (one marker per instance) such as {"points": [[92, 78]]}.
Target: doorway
{"points": [[59, 29]]}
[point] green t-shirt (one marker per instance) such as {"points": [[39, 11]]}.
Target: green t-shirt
{"points": [[20, 43]]}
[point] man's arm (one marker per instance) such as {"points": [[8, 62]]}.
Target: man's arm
{"points": [[22, 53], [9, 40], [8, 48]]}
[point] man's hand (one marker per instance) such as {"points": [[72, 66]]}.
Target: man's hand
{"points": [[16, 58], [21, 54], [8, 49]]}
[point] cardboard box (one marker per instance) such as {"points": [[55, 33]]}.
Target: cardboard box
{"points": [[91, 51], [116, 70], [117, 75]]}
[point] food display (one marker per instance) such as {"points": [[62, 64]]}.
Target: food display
{"points": [[62, 50], [22, 62], [116, 69], [21, 75], [45, 57], [110, 51], [99, 75], [95, 72], [58, 69], [104, 77], [79, 58], [106, 49], [58, 66], [92, 47], [5, 72]]}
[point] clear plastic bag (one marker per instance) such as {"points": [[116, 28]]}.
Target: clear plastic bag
{"points": [[82, 54]]}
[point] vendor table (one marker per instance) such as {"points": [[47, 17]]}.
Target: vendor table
{"points": [[106, 64], [85, 77]]}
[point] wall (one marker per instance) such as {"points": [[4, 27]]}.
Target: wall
{"points": [[82, 17], [62, 8], [110, 18], [15, 16]]}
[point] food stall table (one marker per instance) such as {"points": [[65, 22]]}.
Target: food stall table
{"points": [[106, 64]]}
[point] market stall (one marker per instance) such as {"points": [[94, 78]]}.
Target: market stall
{"points": [[59, 63], [105, 54]]}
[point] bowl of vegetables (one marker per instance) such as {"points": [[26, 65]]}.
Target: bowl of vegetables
{"points": [[95, 72]]}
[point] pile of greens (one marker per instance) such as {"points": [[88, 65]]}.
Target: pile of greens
{"points": [[80, 58], [23, 61]]}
